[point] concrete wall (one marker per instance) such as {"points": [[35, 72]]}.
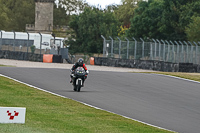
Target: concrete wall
{"points": [[20, 56], [27, 56], [102, 61], [148, 65]]}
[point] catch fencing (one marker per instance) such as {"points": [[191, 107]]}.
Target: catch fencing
{"points": [[161, 50]]}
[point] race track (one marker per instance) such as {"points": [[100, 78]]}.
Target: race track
{"points": [[162, 101]]}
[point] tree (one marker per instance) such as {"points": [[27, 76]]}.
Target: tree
{"points": [[176, 16], [163, 19], [73, 6], [126, 11], [16, 14], [193, 29], [60, 17], [4, 18], [190, 20], [88, 28], [32, 49], [146, 20]]}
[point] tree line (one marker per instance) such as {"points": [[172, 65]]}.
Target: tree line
{"points": [[15, 14], [159, 19]]}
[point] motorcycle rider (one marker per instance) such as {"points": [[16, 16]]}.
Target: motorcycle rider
{"points": [[79, 63]]}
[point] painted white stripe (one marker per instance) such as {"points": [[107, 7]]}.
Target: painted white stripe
{"points": [[84, 103]]}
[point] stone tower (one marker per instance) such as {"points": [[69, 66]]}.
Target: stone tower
{"points": [[44, 16]]}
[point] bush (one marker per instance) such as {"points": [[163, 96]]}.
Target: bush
{"points": [[32, 49]]}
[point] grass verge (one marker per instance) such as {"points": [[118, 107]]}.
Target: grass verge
{"points": [[47, 113], [191, 76], [5, 65]]}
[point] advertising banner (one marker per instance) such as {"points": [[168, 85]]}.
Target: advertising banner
{"points": [[12, 115]]}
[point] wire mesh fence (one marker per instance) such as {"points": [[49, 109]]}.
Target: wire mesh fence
{"points": [[162, 50]]}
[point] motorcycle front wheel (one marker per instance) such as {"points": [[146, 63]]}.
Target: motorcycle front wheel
{"points": [[79, 86]]}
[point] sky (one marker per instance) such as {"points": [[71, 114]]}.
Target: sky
{"points": [[103, 3]]}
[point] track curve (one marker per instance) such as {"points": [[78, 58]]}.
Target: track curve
{"points": [[166, 102]]}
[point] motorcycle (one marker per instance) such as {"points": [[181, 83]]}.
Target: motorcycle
{"points": [[78, 77]]}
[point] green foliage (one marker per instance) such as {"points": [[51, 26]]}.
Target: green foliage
{"points": [[193, 29], [121, 32], [190, 20], [163, 19], [4, 18], [160, 19], [88, 28], [126, 11], [32, 49], [60, 17], [73, 6], [15, 14], [176, 16], [145, 22]]}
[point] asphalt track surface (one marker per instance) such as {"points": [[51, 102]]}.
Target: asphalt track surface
{"points": [[162, 101]]}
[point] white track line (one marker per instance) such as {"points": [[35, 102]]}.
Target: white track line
{"points": [[84, 103]]}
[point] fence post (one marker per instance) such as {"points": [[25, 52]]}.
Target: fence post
{"points": [[27, 45], [191, 55], [40, 44], [163, 50], [181, 51], [104, 44], [168, 50], [142, 48], [54, 38], [111, 46], [177, 50], [159, 48], [151, 51], [186, 51], [135, 51], [127, 48], [14, 41], [196, 52], [173, 50], [155, 48], [199, 59], [119, 47], [1, 39]]}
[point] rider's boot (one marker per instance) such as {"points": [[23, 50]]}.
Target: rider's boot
{"points": [[75, 88]]}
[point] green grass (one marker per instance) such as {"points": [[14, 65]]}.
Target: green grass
{"points": [[47, 113], [191, 76], [5, 65]]}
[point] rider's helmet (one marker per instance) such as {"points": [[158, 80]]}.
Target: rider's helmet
{"points": [[80, 61]]}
